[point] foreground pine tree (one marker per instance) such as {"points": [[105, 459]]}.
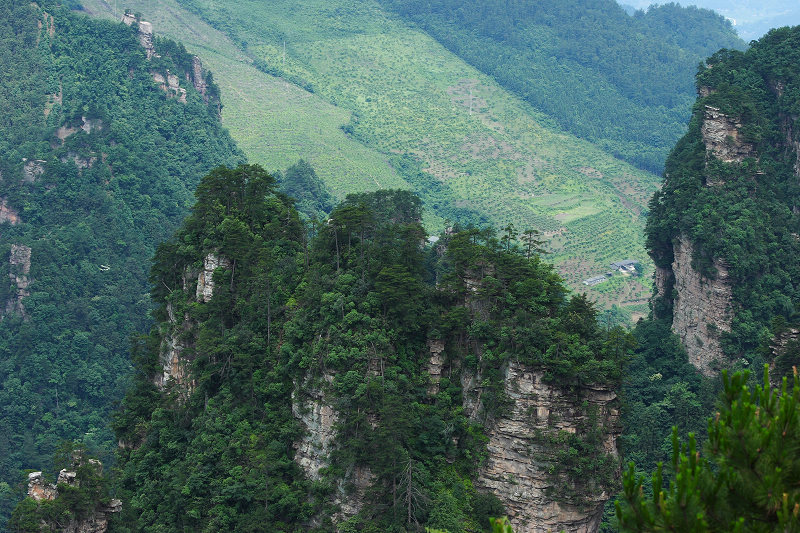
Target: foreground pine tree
{"points": [[749, 479]]}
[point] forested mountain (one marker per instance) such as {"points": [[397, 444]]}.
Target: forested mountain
{"points": [[624, 82], [98, 163], [371, 101], [360, 379], [724, 234], [751, 18], [727, 216]]}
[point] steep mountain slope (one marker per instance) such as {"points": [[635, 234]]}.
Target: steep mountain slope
{"points": [[274, 121], [410, 101], [623, 82], [723, 231], [98, 161], [334, 385]]}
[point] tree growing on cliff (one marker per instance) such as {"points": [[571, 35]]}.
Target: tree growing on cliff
{"points": [[748, 480]]}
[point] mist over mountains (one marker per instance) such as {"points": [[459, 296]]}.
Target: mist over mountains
{"points": [[751, 18]]}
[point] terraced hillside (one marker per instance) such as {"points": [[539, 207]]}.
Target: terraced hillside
{"points": [[401, 99]]}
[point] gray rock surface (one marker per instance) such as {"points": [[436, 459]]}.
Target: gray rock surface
{"points": [[702, 308], [516, 470], [722, 137]]}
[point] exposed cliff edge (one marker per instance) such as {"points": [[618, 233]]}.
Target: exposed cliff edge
{"points": [[349, 391], [723, 230], [168, 81], [178, 333], [145, 30], [702, 307], [48, 498], [722, 136], [522, 466]]}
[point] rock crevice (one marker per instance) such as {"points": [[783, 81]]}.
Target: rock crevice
{"points": [[516, 469]]}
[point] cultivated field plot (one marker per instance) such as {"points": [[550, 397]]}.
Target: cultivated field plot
{"points": [[273, 121], [382, 88]]}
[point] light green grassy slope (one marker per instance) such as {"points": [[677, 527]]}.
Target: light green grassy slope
{"points": [[274, 122], [407, 94]]}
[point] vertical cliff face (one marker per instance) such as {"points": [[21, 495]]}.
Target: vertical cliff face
{"points": [[723, 229], [317, 418], [313, 409], [177, 333], [522, 464], [205, 280], [722, 136], [702, 309]]}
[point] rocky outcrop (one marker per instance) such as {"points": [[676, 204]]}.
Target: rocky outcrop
{"points": [[663, 278], [197, 78], [780, 343], [91, 124], [32, 170], [20, 267], [704, 91], [790, 129], [82, 162], [175, 364], [205, 281], [145, 33], [39, 489], [517, 466], [318, 419], [701, 309], [722, 137], [95, 521], [8, 215]]}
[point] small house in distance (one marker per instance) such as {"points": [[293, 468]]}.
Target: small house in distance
{"points": [[594, 280], [627, 266]]}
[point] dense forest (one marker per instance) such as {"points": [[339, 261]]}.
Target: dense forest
{"points": [[741, 213], [98, 165], [733, 195], [341, 313], [321, 367], [624, 82]]}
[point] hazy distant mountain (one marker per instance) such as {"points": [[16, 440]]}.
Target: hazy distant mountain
{"points": [[752, 18]]}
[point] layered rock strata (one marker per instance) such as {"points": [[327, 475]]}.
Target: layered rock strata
{"points": [[516, 469], [701, 310]]}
